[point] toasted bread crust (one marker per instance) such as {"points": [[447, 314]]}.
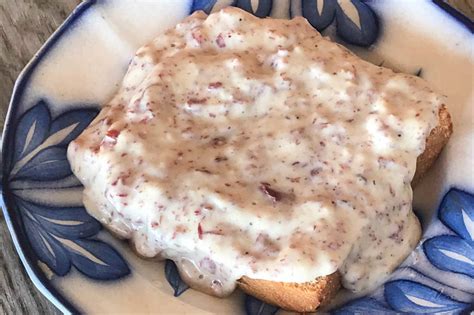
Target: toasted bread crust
{"points": [[300, 297], [434, 144], [307, 297]]}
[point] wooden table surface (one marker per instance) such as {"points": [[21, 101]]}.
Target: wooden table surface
{"points": [[24, 27]]}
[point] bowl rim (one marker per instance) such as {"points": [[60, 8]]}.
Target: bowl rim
{"points": [[33, 271], [37, 276]]}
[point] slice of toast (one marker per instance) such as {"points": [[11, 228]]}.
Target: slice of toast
{"points": [[297, 297], [434, 144], [307, 297]]}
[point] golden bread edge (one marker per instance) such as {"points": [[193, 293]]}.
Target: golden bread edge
{"points": [[307, 297], [435, 143]]}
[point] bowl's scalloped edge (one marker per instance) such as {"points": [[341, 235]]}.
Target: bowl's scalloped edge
{"points": [[34, 272]]}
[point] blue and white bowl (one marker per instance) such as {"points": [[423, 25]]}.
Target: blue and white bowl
{"points": [[81, 268]]}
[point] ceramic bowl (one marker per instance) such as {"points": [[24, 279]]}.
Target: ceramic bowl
{"points": [[81, 268]]}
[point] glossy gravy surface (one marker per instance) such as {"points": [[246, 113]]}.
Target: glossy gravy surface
{"points": [[244, 146]]}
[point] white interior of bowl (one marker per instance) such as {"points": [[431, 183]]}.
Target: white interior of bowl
{"points": [[88, 62]]}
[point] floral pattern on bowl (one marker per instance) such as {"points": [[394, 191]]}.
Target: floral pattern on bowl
{"points": [[419, 285], [356, 23], [65, 236], [60, 236]]}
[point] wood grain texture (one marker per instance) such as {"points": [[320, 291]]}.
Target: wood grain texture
{"points": [[466, 7], [24, 27]]}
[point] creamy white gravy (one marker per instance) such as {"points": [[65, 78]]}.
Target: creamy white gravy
{"points": [[244, 146]]}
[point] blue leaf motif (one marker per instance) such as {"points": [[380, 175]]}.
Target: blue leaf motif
{"points": [[359, 30], [450, 253], [59, 237], [204, 5], [254, 306], [263, 8], [97, 260], [356, 22], [457, 212], [363, 306], [174, 279], [70, 229], [409, 296], [69, 223], [80, 118], [319, 14], [48, 249], [35, 129], [209, 6], [32, 129], [296, 8], [49, 164]]}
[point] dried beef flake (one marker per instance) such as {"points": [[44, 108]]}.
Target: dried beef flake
{"points": [[220, 41], [200, 231], [272, 194], [113, 133]]}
